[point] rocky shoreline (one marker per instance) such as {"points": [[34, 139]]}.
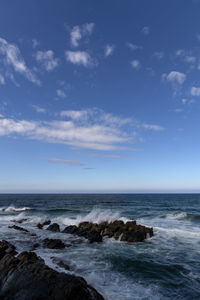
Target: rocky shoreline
{"points": [[25, 275]]}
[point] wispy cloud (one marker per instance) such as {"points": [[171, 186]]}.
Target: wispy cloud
{"points": [[145, 30], [112, 156], [135, 64], [60, 93], [47, 59], [175, 77], [39, 109], [60, 161], [109, 49], [159, 55], [91, 129], [13, 60], [2, 80], [152, 127], [35, 43], [195, 91], [81, 58], [134, 47], [78, 32]]}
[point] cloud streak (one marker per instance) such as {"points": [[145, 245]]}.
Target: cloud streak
{"points": [[13, 60]]}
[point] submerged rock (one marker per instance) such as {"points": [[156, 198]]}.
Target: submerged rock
{"points": [[60, 263], [20, 221], [18, 228], [27, 277], [54, 227]]}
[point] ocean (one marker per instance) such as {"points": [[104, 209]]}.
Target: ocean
{"points": [[166, 266]]}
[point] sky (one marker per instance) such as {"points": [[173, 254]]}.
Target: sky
{"points": [[99, 96]]}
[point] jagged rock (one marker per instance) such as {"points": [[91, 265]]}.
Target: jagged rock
{"points": [[18, 228], [54, 227], [60, 263], [20, 221], [6, 248], [27, 277], [53, 244], [40, 226], [129, 231]]}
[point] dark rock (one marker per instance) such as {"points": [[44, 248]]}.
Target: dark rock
{"points": [[6, 248], [54, 227], [60, 263], [133, 237], [18, 228], [26, 277], [40, 226], [35, 246], [20, 221], [72, 229], [53, 244]]}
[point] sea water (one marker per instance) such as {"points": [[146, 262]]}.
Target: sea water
{"points": [[166, 266]]}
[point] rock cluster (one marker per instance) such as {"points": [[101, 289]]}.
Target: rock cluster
{"points": [[27, 277], [128, 232]]}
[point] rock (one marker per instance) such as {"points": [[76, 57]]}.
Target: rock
{"points": [[20, 221], [72, 229], [40, 226], [35, 246], [53, 244], [54, 227], [27, 277], [6, 248], [60, 263], [18, 228], [129, 231]]}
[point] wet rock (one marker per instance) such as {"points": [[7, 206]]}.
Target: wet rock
{"points": [[72, 229], [53, 244], [20, 221], [27, 277], [6, 248], [54, 227], [18, 228], [35, 246], [129, 231], [45, 223], [60, 263]]}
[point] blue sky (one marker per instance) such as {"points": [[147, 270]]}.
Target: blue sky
{"points": [[99, 96]]}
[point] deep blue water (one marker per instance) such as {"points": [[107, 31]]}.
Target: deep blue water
{"points": [[165, 266]]}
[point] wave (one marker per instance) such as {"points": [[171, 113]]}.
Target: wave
{"points": [[13, 209], [95, 216], [182, 216]]}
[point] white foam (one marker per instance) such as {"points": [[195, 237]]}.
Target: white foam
{"points": [[12, 208], [95, 216]]}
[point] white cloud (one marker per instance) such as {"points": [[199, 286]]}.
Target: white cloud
{"points": [[91, 129], [180, 52], [190, 59], [47, 59], [176, 77], [75, 36], [35, 43], [109, 49], [79, 58], [2, 80], [39, 109], [195, 91], [78, 32], [75, 114], [159, 55], [145, 30], [135, 64], [134, 47], [74, 163], [152, 127], [60, 93], [12, 58]]}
